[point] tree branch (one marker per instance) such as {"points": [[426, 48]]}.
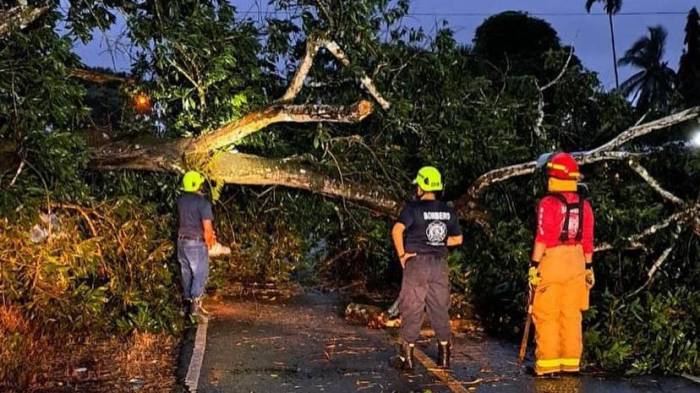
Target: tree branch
{"points": [[540, 96], [313, 44], [245, 169], [147, 154], [183, 73], [659, 261], [561, 73], [256, 121], [602, 153], [646, 128], [238, 168], [97, 77], [527, 168], [653, 183], [366, 81], [680, 217], [20, 17]]}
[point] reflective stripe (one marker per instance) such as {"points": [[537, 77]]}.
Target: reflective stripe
{"points": [[564, 169], [557, 166], [571, 362], [549, 363]]}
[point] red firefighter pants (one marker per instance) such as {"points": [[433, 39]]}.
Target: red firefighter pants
{"points": [[557, 309]]}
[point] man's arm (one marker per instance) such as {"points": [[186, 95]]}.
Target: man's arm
{"points": [[209, 234], [454, 230], [397, 236]]}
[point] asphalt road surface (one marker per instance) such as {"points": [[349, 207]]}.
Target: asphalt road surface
{"points": [[304, 345]]}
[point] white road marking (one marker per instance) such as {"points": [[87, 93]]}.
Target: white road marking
{"points": [[200, 344], [445, 376]]}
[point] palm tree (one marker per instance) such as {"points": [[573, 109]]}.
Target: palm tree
{"points": [[611, 7], [653, 86]]}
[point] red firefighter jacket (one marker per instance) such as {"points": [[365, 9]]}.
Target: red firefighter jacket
{"points": [[551, 217]]}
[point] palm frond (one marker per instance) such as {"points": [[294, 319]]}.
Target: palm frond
{"points": [[631, 85], [589, 4], [610, 6]]}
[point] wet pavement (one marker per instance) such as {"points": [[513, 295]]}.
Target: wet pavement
{"points": [[304, 345]]}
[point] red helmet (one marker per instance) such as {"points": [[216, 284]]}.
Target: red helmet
{"points": [[563, 166]]}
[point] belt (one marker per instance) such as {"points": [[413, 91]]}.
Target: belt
{"points": [[186, 237]]}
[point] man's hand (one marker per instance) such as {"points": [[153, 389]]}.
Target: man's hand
{"points": [[533, 276], [405, 257], [590, 278], [209, 235], [454, 241]]}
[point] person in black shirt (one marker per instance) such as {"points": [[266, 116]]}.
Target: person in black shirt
{"points": [[425, 229]]}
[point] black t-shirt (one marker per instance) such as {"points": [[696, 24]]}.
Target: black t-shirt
{"points": [[428, 225], [193, 208]]}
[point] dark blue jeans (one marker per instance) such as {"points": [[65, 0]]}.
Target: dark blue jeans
{"points": [[193, 256]]}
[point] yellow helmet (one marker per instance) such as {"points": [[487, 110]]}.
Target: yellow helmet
{"points": [[192, 181], [429, 179]]}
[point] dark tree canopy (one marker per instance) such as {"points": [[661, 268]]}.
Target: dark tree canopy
{"points": [[515, 42]]}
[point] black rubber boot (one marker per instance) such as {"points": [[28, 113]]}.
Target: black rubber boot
{"points": [[404, 361], [444, 355]]}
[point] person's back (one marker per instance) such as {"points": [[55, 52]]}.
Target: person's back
{"points": [[560, 274], [428, 225], [193, 208], [424, 231], [195, 236]]}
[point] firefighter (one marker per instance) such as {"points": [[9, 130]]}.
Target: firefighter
{"points": [[425, 229], [561, 272], [195, 238]]}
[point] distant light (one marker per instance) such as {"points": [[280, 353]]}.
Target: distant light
{"points": [[695, 139], [142, 103]]}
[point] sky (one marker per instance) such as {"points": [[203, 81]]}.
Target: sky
{"points": [[589, 34]]}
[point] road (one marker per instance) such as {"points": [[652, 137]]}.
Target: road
{"points": [[304, 345]]}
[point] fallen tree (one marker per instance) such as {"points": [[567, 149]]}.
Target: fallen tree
{"points": [[211, 152]]}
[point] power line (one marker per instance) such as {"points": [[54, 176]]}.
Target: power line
{"points": [[638, 13], [485, 14]]}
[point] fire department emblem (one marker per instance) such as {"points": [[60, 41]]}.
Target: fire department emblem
{"points": [[436, 232]]}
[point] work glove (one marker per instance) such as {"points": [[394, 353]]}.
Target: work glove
{"points": [[533, 276], [590, 278]]}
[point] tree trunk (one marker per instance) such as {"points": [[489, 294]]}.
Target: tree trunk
{"points": [[246, 169], [237, 168]]}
